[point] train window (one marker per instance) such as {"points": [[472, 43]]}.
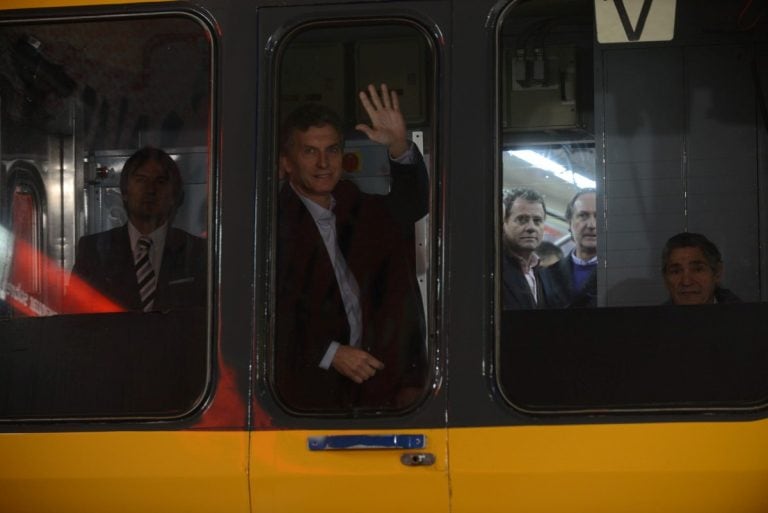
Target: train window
{"points": [[648, 191], [354, 104], [104, 138], [548, 157]]}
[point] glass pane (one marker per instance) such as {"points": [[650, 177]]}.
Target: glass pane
{"points": [[663, 148], [104, 133], [548, 157], [659, 149], [78, 99], [353, 249]]}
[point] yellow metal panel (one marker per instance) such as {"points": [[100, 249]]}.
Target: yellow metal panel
{"points": [[32, 4], [660, 468], [129, 472], [288, 478]]}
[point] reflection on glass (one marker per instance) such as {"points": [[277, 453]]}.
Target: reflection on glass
{"points": [[78, 99], [146, 264]]}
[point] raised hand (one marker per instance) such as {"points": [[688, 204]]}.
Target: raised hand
{"points": [[387, 122]]}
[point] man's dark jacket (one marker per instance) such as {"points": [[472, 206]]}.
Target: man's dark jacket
{"points": [[310, 312], [557, 281], [105, 261], [515, 292]]}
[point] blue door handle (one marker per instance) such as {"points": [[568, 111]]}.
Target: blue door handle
{"points": [[356, 442]]}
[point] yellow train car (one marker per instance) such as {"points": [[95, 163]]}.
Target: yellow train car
{"points": [[193, 394]]}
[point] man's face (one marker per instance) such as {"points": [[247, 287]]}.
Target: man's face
{"points": [[313, 162], [584, 225], [149, 194], [689, 278], [524, 227]]}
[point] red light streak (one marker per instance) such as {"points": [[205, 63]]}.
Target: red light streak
{"points": [[79, 297]]}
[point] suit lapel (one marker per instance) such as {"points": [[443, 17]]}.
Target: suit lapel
{"points": [[302, 246], [517, 285], [174, 247]]}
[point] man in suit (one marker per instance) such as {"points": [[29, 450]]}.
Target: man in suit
{"points": [[572, 282], [349, 323], [146, 264], [522, 231]]}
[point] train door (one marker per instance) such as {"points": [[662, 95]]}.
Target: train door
{"points": [[644, 390], [317, 442]]}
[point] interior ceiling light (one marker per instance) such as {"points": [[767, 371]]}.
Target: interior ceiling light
{"points": [[540, 161]]}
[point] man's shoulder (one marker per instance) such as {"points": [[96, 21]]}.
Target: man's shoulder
{"points": [[180, 233], [351, 201], [178, 238], [726, 296], [509, 262], [556, 283], [564, 265], [560, 269], [512, 274], [286, 194], [102, 252], [105, 237], [347, 191]]}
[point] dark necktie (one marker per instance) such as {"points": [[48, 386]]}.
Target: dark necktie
{"points": [[145, 274]]}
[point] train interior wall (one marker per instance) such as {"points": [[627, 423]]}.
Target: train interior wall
{"points": [[684, 150]]}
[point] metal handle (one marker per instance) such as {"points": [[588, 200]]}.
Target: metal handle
{"points": [[355, 442]]}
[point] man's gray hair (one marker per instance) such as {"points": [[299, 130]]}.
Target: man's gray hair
{"points": [[570, 206], [692, 240]]}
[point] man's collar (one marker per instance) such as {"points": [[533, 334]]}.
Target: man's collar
{"points": [[315, 210], [579, 261], [157, 236], [525, 265]]}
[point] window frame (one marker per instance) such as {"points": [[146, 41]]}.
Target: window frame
{"points": [[192, 400], [660, 410], [279, 41]]}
